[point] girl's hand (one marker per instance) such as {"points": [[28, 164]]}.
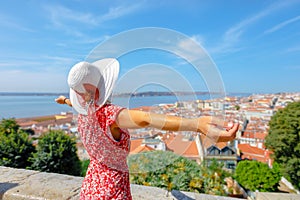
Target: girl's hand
{"points": [[216, 129], [61, 99]]}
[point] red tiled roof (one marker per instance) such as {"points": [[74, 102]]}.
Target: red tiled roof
{"points": [[254, 135], [250, 149], [207, 142], [142, 148], [167, 138], [177, 145], [221, 145], [260, 135], [254, 153], [135, 144], [192, 150]]}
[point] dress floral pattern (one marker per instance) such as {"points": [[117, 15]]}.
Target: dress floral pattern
{"points": [[107, 176]]}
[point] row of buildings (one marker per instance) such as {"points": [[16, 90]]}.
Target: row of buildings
{"points": [[252, 112]]}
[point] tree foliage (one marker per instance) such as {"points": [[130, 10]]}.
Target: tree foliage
{"points": [[167, 170], [56, 152], [254, 175], [84, 167], [284, 140], [9, 125], [15, 145]]}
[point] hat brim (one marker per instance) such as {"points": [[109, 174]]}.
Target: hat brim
{"points": [[109, 69]]}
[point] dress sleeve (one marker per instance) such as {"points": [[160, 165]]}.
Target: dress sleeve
{"points": [[112, 111]]}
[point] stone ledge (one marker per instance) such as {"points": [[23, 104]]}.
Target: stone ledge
{"points": [[21, 184]]}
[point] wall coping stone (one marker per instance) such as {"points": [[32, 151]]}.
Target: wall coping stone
{"points": [[22, 184]]}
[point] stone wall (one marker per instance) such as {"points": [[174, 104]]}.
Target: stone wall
{"points": [[21, 184]]}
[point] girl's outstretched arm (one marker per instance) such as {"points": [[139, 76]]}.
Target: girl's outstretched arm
{"points": [[63, 100], [212, 127]]}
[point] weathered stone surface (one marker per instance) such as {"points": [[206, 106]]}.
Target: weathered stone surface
{"points": [[149, 193], [15, 175], [276, 196], [20, 184]]}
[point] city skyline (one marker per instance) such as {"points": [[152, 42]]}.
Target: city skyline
{"points": [[254, 45]]}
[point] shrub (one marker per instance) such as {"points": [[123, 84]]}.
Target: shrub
{"points": [[167, 170], [57, 152], [254, 175], [16, 147]]}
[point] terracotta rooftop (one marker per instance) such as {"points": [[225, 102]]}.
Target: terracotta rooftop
{"points": [[192, 150], [142, 148], [135, 144], [206, 142], [254, 153], [178, 145], [254, 135]]}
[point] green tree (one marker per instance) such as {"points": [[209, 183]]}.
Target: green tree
{"points": [[254, 175], [16, 147], [284, 140], [9, 125], [15, 150], [167, 170], [84, 167], [215, 175], [57, 152], [161, 169], [237, 107]]}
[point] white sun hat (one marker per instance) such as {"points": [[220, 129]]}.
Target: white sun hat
{"points": [[102, 74]]}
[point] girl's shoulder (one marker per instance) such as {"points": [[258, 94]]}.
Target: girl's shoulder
{"points": [[109, 107], [109, 112]]}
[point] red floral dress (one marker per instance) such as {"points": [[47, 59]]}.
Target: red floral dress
{"points": [[107, 176]]}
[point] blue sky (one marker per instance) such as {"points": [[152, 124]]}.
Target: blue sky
{"points": [[255, 45]]}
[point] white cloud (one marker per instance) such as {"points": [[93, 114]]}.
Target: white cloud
{"points": [[282, 25], [63, 18], [293, 67], [190, 48], [58, 59], [60, 14], [7, 22], [18, 63], [199, 39], [45, 64], [117, 12], [293, 49], [153, 74], [21, 81], [91, 40], [232, 36]]}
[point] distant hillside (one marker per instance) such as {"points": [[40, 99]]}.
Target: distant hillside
{"points": [[32, 94], [137, 94], [151, 93]]}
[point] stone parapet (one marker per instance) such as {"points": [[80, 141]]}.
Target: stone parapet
{"points": [[21, 184]]}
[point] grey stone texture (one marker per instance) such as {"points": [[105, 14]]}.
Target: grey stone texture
{"points": [[21, 184]]}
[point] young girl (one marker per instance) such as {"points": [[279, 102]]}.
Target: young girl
{"points": [[103, 128]]}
